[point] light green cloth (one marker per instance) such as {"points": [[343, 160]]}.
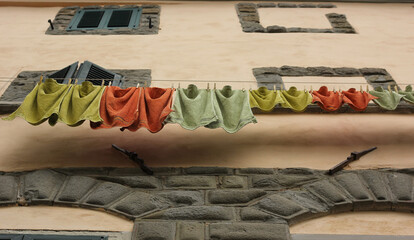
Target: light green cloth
{"points": [[232, 108], [408, 94], [296, 100], [41, 103], [192, 108], [265, 99], [386, 99], [80, 104]]}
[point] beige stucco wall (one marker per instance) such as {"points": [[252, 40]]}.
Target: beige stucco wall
{"points": [[204, 41]]}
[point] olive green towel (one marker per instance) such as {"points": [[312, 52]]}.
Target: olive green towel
{"points": [[408, 94], [192, 108], [386, 99], [265, 99], [232, 109], [296, 100], [41, 103], [80, 104]]}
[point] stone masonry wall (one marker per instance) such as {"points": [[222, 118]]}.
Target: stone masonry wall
{"points": [[212, 202], [65, 15]]}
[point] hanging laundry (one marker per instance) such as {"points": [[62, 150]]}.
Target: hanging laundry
{"points": [[42, 103], [296, 100], [265, 99], [154, 107], [118, 107], [386, 99], [232, 108], [408, 94], [192, 108], [81, 103], [357, 100], [328, 100]]}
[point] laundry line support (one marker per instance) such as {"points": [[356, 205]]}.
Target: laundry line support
{"points": [[133, 156]]}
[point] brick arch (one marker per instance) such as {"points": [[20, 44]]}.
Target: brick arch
{"points": [[215, 203]]}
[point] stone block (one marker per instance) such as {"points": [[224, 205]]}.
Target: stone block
{"points": [[245, 231], [374, 181], [92, 7], [8, 190], [265, 182], [254, 214], [275, 29], [135, 181], [87, 171], [307, 5], [243, 171], [362, 199], [154, 231], [287, 5], [282, 207], [320, 30], [341, 25], [270, 81], [266, 5], [208, 170], [325, 190], [293, 177], [150, 10], [326, 5], [401, 186], [199, 213], [75, 189], [379, 78], [344, 30], [335, 15], [183, 198], [191, 182], [347, 72], [234, 196], [246, 5], [190, 231], [296, 29], [247, 9], [320, 71], [373, 71], [111, 6], [139, 203], [104, 194], [292, 71], [252, 27], [250, 18], [42, 186], [233, 182]]}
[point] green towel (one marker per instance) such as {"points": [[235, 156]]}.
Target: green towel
{"points": [[296, 100], [41, 103], [408, 94], [192, 108], [386, 99], [232, 108], [80, 104], [265, 99]]}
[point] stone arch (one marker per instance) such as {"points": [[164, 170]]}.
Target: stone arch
{"points": [[211, 202]]}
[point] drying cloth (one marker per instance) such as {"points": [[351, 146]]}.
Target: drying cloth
{"points": [[388, 100], [296, 100], [328, 100], [118, 107], [232, 108], [192, 108], [264, 99], [408, 94], [80, 104], [41, 103], [154, 107], [357, 100]]}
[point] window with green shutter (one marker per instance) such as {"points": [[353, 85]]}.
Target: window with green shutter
{"points": [[90, 19]]}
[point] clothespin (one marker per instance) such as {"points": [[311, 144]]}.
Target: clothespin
{"points": [[172, 86], [334, 89], [76, 81], [41, 79], [138, 85], [110, 83], [389, 88], [360, 88], [103, 83], [274, 87], [367, 88], [214, 86], [243, 89], [179, 85], [311, 89], [396, 88], [208, 86], [70, 81], [145, 84]]}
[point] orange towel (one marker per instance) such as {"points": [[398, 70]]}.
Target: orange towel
{"points": [[154, 106], [327, 100], [118, 108], [357, 100]]}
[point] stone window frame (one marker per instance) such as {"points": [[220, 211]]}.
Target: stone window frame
{"points": [[65, 15], [250, 20], [55, 236], [348, 237]]}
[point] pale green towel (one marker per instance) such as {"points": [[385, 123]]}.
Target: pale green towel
{"points": [[80, 104], [265, 99], [296, 100], [41, 103], [408, 94], [232, 108], [192, 108], [386, 99]]}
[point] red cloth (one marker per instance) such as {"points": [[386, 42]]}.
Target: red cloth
{"points": [[154, 106], [118, 108], [327, 100], [357, 100]]}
